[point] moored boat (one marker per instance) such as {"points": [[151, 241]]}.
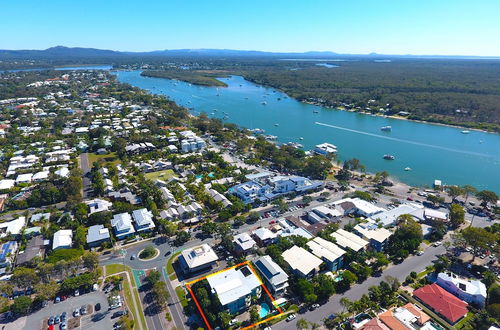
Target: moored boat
{"points": [[389, 157]]}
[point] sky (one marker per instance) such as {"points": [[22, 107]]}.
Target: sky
{"points": [[420, 27]]}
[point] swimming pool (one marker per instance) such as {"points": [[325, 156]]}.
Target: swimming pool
{"points": [[264, 310]]}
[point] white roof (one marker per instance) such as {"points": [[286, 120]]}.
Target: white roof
{"points": [[435, 214], [349, 240], [199, 255], [6, 184], [301, 260], [41, 175], [62, 238], [325, 249], [232, 284], [244, 241], [264, 233], [472, 287], [371, 231], [98, 205], [362, 205], [24, 178], [63, 171], [143, 217], [389, 217], [327, 211], [13, 227]]}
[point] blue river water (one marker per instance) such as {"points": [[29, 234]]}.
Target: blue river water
{"points": [[431, 151]]}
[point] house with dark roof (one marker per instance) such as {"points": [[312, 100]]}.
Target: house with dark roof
{"points": [[274, 276], [442, 302], [34, 248]]}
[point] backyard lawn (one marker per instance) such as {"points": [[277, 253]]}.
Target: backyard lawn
{"points": [[110, 158], [162, 175]]}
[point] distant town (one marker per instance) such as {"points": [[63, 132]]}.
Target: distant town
{"points": [[120, 209]]}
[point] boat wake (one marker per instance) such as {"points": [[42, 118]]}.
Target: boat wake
{"points": [[406, 141]]}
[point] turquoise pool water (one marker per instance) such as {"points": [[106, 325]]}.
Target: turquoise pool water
{"points": [[264, 310], [199, 176]]}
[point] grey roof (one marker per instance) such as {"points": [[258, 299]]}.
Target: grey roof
{"points": [[97, 233], [35, 247], [271, 270]]}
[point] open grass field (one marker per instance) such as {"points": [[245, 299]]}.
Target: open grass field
{"points": [[162, 175]]}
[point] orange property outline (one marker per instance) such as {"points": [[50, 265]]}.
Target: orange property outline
{"points": [[188, 287]]}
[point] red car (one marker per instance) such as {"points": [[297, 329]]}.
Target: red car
{"points": [[409, 198]]}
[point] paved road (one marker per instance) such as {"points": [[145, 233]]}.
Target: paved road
{"points": [[84, 164], [34, 321], [415, 263], [153, 317]]}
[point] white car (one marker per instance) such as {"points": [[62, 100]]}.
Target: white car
{"points": [[438, 243], [419, 253], [291, 317], [77, 293]]}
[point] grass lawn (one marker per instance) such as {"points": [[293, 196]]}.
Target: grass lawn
{"points": [[170, 266], [130, 292], [162, 175], [115, 268], [181, 295], [110, 158], [464, 321]]}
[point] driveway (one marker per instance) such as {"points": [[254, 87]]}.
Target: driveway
{"points": [[34, 321], [85, 166]]}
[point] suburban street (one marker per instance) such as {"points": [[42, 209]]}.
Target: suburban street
{"points": [[399, 271], [413, 263]]}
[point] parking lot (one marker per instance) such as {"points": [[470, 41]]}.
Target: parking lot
{"points": [[38, 319]]}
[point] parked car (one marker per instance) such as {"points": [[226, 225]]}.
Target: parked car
{"points": [[58, 299], [51, 320], [291, 317], [57, 319], [95, 287], [77, 293], [233, 322], [45, 303], [419, 253], [63, 326], [97, 307], [76, 313], [117, 314], [438, 243], [83, 310], [63, 316], [314, 306]]}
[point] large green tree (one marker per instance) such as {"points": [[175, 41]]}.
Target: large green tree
{"points": [[457, 215]]}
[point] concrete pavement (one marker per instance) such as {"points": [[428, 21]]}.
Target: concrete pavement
{"points": [[34, 321]]}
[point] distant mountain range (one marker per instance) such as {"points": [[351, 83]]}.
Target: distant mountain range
{"points": [[62, 52]]}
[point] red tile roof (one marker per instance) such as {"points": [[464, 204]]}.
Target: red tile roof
{"points": [[375, 324], [442, 302]]}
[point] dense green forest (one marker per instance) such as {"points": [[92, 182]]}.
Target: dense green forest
{"points": [[461, 92], [193, 77]]}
